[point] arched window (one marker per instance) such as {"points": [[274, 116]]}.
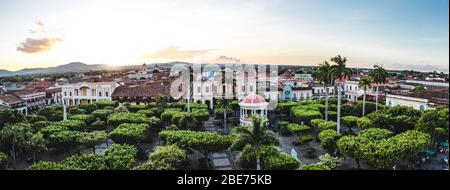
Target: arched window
{"points": [[422, 107], [390, 103]]}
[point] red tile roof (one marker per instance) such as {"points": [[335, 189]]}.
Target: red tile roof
{"points": [[150, 89], [253, 99], [11, 99]]}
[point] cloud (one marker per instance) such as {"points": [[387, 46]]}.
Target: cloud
{"points": [[41, 27], [223, 60], [31, 45], [176, 53], [39, 23]]}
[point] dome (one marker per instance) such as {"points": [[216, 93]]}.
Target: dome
{"points": [[253, 99]]}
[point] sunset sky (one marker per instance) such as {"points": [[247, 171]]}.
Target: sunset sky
{"points": [[398, 34]]}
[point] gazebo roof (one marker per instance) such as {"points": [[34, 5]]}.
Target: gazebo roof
{"points": [[253, 101]]}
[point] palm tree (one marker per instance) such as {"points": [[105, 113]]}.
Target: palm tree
{"points": [[323, 75], [339, 73], [37, 143], [255, 135], [15, 136], [379, 76], [161, 101], [225, 104], [365, 83]]}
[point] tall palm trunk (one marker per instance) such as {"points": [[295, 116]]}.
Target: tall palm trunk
{"points": [[376, 99], [13, 153], [34, 156], [339, 108], [258, 163], [225, 120], [326, 102], [364, 103]]}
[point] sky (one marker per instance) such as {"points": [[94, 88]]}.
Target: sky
{"points": [[398, 34]]}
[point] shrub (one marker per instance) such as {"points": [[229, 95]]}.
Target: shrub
{"points": [[52, 113], [283, 128], [102, 114], [374, 134], [35, 118], [40, 124], [315, 122], [86, 118], [76, 125], [247, 157], [298, 129], [86, 162], [283, 123], [45, 165], [121, 109], [317, 166], [102, 104], [120, 157], [64, 139], [172, 127], [204, 142], [305, 139], [168, 157], [47, 131], [364, 123], [329, 161], [332, 115], [329, 144], [89, 107], [200, 115], [267, 151], [281, 161], [130, 133], [108, 108], [329, 133], [147, 112], [167, 115], [305, 116], [98, 125], [328, 125], [349, 121], [135, 108], [76, 111], [116, 119], [3, 160]]}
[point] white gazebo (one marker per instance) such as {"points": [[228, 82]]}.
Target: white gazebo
{"points": [[252, 105]]}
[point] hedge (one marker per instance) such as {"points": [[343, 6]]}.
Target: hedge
{"points": [[86, 118], [305, 139], [350, 121], [129, 133], [101, 104], [329, 133], [297, 129], [76, 125], [124, 117], [328, 125]]}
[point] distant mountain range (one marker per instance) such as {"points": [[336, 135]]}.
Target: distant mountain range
{"points": [[80, 67], [71, 67]]}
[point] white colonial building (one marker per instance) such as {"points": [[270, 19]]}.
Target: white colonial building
{"points": [[87, 92], [403, 100], [319, 91], [206, 89]]}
